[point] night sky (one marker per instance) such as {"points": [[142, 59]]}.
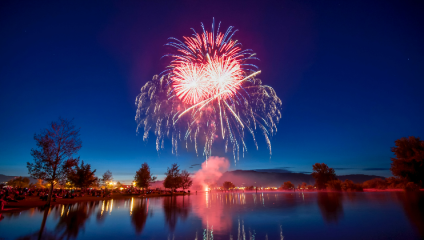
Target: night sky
{"points": [[350, 75]]}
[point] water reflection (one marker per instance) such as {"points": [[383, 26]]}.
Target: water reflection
{"points": [[73, 222], [413, 204], [174, 208], [231, 215], [139, 213], [331, 206], [102, 212]]}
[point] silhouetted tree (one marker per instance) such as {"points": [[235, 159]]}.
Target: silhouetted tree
{"points": [[82, 176], [409, 161], [53, 158], [287, 185], [19, 182], [395, 183], [143, 178], [118, 185], [349, 186], [107, 179], [173, 178], [334, 185], [228, 185], [378, 183], [186, 180], [322, 174]]}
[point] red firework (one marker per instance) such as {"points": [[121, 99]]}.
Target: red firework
{"points": [[207, 66]]}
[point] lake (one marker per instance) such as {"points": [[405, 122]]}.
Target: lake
{"points": [[238, 215]]}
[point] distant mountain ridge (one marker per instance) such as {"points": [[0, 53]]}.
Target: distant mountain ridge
{"points": [[276, 179], [5, 178]]}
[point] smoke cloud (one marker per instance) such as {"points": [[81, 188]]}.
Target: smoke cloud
{"points": [[212, 169]]}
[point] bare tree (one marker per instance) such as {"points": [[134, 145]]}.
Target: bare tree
{"points": [[186, 180], [53, 157], [143, 178]]}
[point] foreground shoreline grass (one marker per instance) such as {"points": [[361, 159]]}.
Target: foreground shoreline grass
{"points": [[34, 201]]}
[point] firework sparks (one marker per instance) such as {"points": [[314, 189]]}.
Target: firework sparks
{"points": [[209, 88]]}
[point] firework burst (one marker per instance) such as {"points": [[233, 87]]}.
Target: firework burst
{"points": [[209, 89]]}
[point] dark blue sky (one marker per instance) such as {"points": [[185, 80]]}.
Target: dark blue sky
{"points": [[350, 75]]}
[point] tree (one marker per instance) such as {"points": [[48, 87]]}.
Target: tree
{"points": [[38, 184], [395, 183], [378, 183], [143, 178], [107, 179], [322, 174], [287, 185], [82, 176], [186, 180], [19, 182], [334, 185], [350, 186], [228, 185], [118, 185], [53, 157], [173, 179], [409, 161]]}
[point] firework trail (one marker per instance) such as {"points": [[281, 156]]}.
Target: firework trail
{"points": [[209, 90]]}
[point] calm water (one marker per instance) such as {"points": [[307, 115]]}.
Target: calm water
{"points": [[268, 215]]}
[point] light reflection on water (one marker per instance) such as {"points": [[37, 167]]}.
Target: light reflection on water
{"points": [[238, 215]]}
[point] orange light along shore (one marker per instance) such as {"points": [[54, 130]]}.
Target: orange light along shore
{"points": [[34, 201]]}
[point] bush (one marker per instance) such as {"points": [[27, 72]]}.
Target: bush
{"points": [[395, 183], [350, 186], [334, 185], [287, 185], [411, 187], [375, 183]]}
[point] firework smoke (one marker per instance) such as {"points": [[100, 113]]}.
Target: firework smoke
{"points": [[212, 169]]}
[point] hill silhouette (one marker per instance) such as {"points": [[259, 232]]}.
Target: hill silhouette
{"points": [[275, 179], [5, 178]]}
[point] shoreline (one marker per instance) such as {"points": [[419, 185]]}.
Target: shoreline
{"points": [[31, 202], [34, 201]]}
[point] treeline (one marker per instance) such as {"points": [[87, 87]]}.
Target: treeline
{"points": [[174, 178], [407, 168], [55, 165]]}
